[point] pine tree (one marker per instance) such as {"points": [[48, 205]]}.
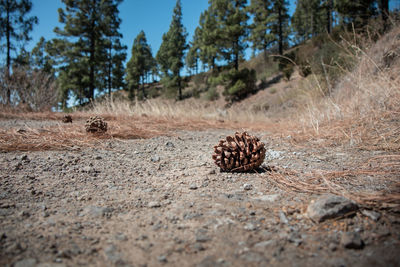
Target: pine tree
{"points": [[114, 71], [85, 49], [40, 60], [260, 33], [280, 24], [233, 29], [356, 12], [172, 50], [15, 26], [140, 64], [384, 10], [311, 17], [208, 38], [192, 57], [114, 65]]}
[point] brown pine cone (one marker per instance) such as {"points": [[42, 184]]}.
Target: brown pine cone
{"points": [[241, 152], [67, 119], [96, 125]]}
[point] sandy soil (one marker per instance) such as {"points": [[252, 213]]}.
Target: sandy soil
{"points": [[163, 202]]}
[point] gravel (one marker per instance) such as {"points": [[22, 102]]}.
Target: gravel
{"points": [[162, 201]]}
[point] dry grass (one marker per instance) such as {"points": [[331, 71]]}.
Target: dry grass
{"points": [[362, 112], [120, 126], [383, 170], [364, 108]]}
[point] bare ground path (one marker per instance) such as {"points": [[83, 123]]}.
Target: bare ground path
{"points": [[162, 202]]}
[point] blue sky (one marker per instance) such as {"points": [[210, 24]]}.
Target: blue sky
{"points": [[151, 16]]}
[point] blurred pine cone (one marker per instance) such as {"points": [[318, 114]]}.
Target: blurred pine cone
{"points": [[67, 119], [96, 125], [241, 152]]}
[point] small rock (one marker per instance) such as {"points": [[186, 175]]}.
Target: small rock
{"points": [[250, 227], [113, 255], [154, 204], [121, 237], [282, 218], [264, 244], [155, 158], [193, 187], [95, 211], [332, 246], [329, 207], [191, 215], [87, 169], [212, 172], [253, 257], [17, 166], [208, 261], [30, 262], [25, 213], [169, 144], [371, 214], [198, 247], [247, 186], [270, 198], [162, 258], [352, 240], [201, 236]]}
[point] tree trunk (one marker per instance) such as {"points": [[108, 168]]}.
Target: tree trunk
{"points": [[179, 87], [384, 6], [92, 52], [8, 33], [329, 16], [280, 22], [109, 69], [143, 91], [236, 59]]}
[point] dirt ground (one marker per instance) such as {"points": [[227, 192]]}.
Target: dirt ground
{"points": [[163, 202]]}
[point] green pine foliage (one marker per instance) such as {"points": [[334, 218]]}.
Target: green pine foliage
{"points": [[170, 56], [260, 30], [88, 51], [356, 12], [231, 19], [239, 84], [40, 59], [208, 38], [192, 56], [280, 23], [140, 65]]}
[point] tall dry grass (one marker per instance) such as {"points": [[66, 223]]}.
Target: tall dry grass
{"points": [[188, 110], [364, 108]]}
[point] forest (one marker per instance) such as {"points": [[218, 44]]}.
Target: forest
{"points": [[88, 60]]}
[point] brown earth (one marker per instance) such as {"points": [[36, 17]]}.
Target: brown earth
{"points": [[162, 202]]}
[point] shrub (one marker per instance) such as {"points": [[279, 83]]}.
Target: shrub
{"points": [[212, 94], [34, 90], [286, 64], [239, 84]]}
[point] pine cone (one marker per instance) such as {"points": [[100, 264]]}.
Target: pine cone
{"points": [[96, 125], [241, 152], [67, 118]]}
